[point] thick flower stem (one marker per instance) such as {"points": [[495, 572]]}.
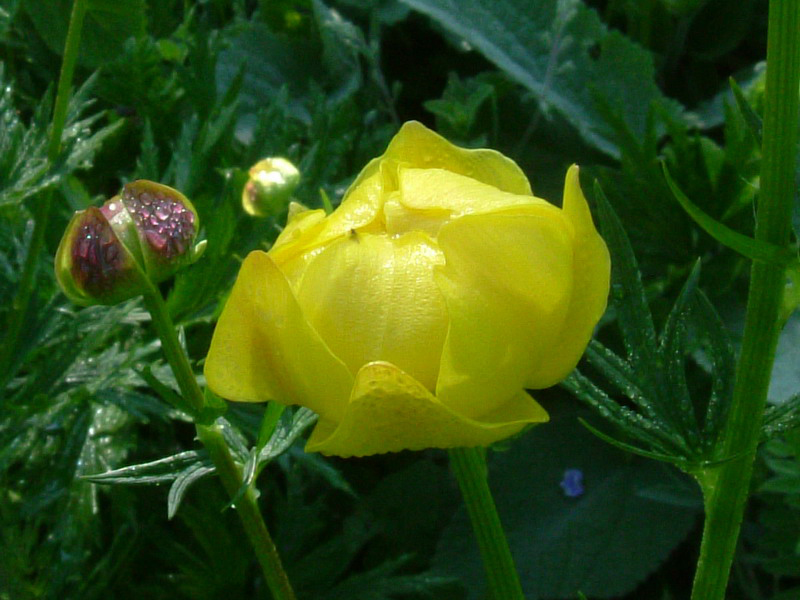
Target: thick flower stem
{"points": [[469, 466], [213, 440], [726, 486], [9, 351]]}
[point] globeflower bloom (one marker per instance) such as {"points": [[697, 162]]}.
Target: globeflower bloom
{"points": [[417, 313]]}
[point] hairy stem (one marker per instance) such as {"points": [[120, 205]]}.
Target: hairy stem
{"points": [[726, 486], [211, 437]]}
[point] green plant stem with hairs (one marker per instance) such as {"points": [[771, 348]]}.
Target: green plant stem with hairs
{"points": [[9, 352], [469, 467], [726, 486], [211, 436]]}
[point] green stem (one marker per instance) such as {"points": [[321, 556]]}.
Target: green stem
{"points": [[9, 354], [211, 437], [726, 487], [469, 467]]}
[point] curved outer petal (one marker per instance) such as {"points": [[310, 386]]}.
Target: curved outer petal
{"points": [[372, 297], [429, 198], [417, 146], [390, 411], [507, 284], [591, 274], [264, 349], [300, 229]]}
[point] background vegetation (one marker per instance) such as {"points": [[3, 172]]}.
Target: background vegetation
{"points": [[191, 94]]}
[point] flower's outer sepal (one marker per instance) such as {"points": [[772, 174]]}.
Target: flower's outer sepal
{"points": [[92, 264], [166, 223]]}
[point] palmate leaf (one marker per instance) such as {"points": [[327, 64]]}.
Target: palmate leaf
{"points": [[664, 421], [561, 52], [182, 470], [24, 169], [158, 471]]}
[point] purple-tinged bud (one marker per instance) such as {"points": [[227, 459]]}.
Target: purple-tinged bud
{"points": [[270, 187], [108, 254]]}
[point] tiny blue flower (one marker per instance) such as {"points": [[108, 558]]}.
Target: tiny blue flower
{"points": [[572, 484]]}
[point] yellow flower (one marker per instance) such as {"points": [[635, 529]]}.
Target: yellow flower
{"points": [[416, 314]]}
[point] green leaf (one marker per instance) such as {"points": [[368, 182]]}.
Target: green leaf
{"points": [[107, 24], [780, 418], [459, 105], [157, 471], [627, 292], [287, 430], [711, 331], [387, 582], [268, 423], [744, 245], [650, 432], [167, 394], [342, 42], [286, 433], [750, 116], [560, 51], [213, 408], [602, 543], [187, 477], [680, 411], [667, 458], [24, 168], [273, 62], [781, 485]]}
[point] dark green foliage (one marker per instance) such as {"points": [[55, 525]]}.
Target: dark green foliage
{"points": [[603, 542], [191, 94], [666, 420]]}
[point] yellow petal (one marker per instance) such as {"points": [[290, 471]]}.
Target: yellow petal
{"points": [[429, 198], [417, 146], [591, 273], [301, 229], [390, 411], [373, 298], [264, 349], [311, 230], [507, 282]]}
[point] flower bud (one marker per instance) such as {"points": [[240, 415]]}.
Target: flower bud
{"points": [[270, 187], [107, 254]]}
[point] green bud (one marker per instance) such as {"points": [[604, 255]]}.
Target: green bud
{"points": [[270, 187], [108, 254]]}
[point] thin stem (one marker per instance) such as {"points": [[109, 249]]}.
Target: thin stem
{"points": [[211, 437], [469, 467], [9, 354], [726, 487]]}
